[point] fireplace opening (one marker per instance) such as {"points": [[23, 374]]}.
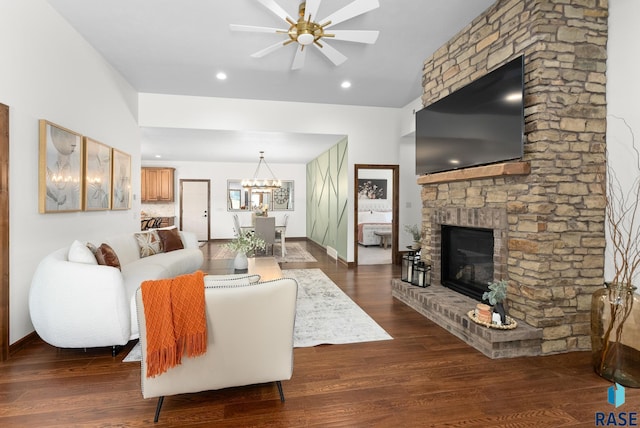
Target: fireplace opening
{"points": [[467, 260]]}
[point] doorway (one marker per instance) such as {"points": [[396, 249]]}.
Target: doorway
{"points": [[195, 207], [376, 210]]}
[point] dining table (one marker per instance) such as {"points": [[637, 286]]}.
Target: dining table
{"points": [[279, 229]]}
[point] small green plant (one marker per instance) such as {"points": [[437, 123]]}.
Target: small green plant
{"points": [[246, 242], [414, 231], [497, 292]]}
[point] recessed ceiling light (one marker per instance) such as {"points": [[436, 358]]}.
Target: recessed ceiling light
{"points": [[345, 85], [158, 156], [221, 75]]}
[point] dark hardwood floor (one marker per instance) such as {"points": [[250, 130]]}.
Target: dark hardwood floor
{"points": [[424, 377]]}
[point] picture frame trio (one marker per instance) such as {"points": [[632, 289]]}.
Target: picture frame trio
{"points": [[78, 173]]}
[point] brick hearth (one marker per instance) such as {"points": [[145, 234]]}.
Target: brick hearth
{"points": [[449, 309]]}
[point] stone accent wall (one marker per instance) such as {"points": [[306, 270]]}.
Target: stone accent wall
{"points": [[555, 215]]}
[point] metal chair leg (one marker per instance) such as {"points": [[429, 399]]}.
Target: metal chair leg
{"points": [[158, 407], [279, 384]]}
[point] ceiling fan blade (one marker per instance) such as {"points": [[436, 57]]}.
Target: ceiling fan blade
{"points": [[275, 8], [334, 56], [310, 9], [358, 36], [358, 7], [254, 29], [267, 50], [298, 60]]}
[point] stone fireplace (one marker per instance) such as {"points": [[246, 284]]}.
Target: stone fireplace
{"points": [[547, 218]]}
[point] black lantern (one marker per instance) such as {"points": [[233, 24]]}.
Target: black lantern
{"points": [[421, 275], [408, 262]]}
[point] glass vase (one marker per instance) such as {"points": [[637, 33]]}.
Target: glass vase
{"points": [[615, 334]]}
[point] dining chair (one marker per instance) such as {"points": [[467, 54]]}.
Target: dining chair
{"points": [[283, 230], [236, 225], [266, 229]]}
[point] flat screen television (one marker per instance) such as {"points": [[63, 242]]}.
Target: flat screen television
{"points": [[479, 124]]}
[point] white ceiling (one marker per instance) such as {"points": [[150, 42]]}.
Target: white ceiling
{"points": [[178, 46]]}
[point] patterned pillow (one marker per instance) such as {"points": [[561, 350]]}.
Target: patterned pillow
{"points": [[149, 243], [106, 256], [170, 239]]}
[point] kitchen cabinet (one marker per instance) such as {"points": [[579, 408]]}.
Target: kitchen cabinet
{"points": [[157, 185]]}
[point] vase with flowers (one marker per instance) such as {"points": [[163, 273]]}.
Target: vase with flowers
{"points": [[245, 244]]}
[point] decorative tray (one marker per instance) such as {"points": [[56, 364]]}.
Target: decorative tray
{"points": [[511, 323]]}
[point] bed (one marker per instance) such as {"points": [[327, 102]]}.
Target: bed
{"points": [[370, 222]]}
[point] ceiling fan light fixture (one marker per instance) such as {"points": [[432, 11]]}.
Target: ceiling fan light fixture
{"points": [[305, 38], [308, 30]]}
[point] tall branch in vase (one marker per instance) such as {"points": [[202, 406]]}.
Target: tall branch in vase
{"points": [[623, 230]]}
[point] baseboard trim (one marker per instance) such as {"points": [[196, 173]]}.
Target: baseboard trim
{"points": [[22, 343]]}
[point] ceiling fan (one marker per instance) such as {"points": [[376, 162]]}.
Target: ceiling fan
{"points": [[308, 30]]}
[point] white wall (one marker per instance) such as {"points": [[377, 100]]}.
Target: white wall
{"points": [[373, 132], [221, 219], [623, 93], [49, 72]]}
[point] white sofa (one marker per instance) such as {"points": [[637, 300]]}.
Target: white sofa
{"points": [[249, 339], [84, 305]]}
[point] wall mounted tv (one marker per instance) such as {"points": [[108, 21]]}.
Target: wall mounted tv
{"points": [[479, 124]]}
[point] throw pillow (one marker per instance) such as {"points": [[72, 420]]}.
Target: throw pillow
{"points": [[92, 248], [106, 256], [170, 239], [149, 243], [79, 253]]}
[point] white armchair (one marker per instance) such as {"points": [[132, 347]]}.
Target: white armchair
{"points": [[250, 340]]}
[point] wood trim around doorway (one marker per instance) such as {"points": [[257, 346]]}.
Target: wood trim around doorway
{"points": [[395, 209], [4, 232]]}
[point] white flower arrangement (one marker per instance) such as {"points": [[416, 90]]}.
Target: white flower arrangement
{"points": [[246, 242]]}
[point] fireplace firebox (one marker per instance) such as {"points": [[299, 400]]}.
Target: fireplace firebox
{"points": [[467, 259]]}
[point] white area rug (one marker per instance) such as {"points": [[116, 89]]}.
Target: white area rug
{"points": [[295, 253], [324, 315]]}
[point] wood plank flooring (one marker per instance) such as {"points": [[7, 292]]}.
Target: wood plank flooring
{"points": [[425, 377]]}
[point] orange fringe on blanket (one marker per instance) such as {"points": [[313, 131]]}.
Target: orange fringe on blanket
{"points": [[175, 319]]}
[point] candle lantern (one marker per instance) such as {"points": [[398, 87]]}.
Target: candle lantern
{"points": [[407, 266], [421, 275]]}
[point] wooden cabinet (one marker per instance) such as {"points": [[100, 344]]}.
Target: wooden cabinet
{"points": [[157, 185]]}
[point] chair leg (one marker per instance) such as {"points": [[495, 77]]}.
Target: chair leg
{"points": [[279, 384], [158, 407]]}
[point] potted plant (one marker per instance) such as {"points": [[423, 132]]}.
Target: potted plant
{"points": [[415, 233], [496, 295], [243, 244]]}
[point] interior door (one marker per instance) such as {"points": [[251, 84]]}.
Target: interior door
{"points": [[393, 192], [195, 207]]}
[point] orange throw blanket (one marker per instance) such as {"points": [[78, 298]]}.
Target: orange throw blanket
{"points": [[174, 311]]}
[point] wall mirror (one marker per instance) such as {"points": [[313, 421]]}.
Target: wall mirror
{"points": [[240, 199]]}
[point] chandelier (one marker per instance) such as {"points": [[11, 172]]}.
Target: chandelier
{"points": [[261, 184]]}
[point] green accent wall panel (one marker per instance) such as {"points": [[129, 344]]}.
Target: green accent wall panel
{"points": [[327, 199]]}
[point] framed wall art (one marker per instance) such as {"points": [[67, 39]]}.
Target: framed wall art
{"points": [[60, 169], [372, 189], [121, 181], [97, 176]]}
